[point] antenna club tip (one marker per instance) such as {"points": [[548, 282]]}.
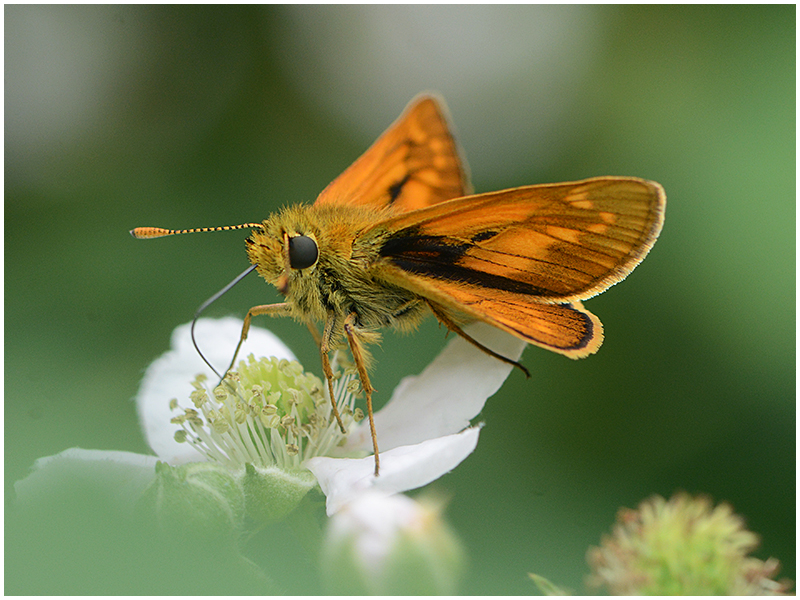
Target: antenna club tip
{"points": [[141, 233]]}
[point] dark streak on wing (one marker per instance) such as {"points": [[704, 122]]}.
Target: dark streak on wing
{"points": [[438, 257], [395, 189], [483, 236]]}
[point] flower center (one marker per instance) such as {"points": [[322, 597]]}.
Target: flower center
{"points": [[268, 412]]}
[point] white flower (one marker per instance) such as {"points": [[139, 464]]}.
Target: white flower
{"points": [[423, 431], [171, 376]]}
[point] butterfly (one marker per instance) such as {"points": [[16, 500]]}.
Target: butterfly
{"points": [[399, 236]]}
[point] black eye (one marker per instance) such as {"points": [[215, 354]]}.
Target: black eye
{"points": [[303, 252]]}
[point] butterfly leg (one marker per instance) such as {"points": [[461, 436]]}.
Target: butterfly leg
{"points": [[452, 326], [325, 344], [350, 331], [273, 310]]}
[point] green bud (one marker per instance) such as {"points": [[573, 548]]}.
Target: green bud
{"points": [[200, 499], [271, 493]]}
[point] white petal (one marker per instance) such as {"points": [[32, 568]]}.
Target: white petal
{"points": [[403, 468], [123, 475], [170, 376], [446, 395]]}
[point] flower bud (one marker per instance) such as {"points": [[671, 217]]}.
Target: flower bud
{"points": [[200, 499], [390, 545]]}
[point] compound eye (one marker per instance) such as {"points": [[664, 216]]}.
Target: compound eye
{"points": [[303, 252]]}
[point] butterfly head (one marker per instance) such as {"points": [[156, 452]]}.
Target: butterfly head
{"points": [[285, 251]]}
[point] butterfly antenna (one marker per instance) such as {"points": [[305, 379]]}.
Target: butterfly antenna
{"points": [[145, 233], [208, 303]]}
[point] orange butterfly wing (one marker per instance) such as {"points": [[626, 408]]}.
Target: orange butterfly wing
{"points": [[415, 163], [522, 259]]}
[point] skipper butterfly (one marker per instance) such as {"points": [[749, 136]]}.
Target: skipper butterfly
{"points": [[398, 235]]}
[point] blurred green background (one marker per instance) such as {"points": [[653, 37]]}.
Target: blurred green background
{"points": [[183, 117]]}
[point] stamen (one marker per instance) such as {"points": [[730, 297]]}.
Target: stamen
{"points": [[268, 413]]}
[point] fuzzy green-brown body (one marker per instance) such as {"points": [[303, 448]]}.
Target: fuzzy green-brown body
{"points": [[347, 277]]}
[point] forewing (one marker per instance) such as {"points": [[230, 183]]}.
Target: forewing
{"points": [[555, 243], [415, 163]]}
